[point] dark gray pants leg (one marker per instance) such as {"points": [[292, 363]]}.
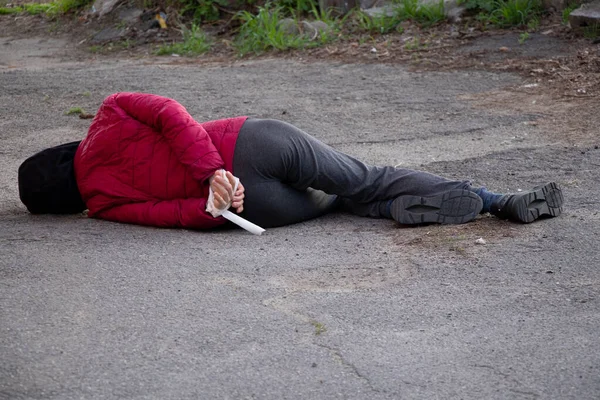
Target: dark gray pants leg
{"points": [[278, 163]]}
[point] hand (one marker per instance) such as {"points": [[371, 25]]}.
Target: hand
{"points": [[222, 189], [238, 198]]}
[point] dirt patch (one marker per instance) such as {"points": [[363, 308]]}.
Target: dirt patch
{"points": [[553, 54], [572, 120], [458, 240]]}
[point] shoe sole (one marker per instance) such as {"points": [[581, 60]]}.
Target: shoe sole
{"points": [[542, 201], [453, 207]]}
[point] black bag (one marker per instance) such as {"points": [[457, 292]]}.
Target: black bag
{"points": [[47, 182]]}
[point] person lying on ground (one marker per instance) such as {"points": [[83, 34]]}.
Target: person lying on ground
{"points": [[146, 161]]}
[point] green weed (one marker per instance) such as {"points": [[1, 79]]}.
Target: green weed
{"points": [[479, 6], [381, 23], [66, 6], [506, 13], [203, 10], [75, 110], [262, 32], [298, 7], [52, 9], [195, 42], [10, 10], [424, 14], [319, 327], [533, 24], [515, 12], [125, 44], [567, 11], [591, 31], [523, 37], [38, 8]]}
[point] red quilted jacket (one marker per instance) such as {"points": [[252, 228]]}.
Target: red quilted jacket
{"points": [[146, 161]]}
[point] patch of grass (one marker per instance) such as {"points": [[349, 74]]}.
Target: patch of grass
{"points": [[423, 14], [515, 12], [262, 32], [381, 23], [567, 11], [38, 8], [52, 9], [481, 6], [75, 110], [591, 31], [523, 37], [506, 13], [298, 7], [533, 24], [319, 327], [195, 42], [413, 44], [203, 10], [95, 49], [65, 6], [124, 44], [10, 10]]}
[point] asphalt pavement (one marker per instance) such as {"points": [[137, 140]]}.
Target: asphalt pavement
{"points": [[340, 307]]}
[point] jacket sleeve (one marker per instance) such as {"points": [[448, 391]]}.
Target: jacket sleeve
{"points": [[187, 138], [179, 213]]}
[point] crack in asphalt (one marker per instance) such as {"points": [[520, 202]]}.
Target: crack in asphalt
{"points": [[276, 304], [337, 356]]}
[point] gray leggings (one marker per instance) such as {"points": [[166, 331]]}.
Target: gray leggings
{"points": [[290, 177]]}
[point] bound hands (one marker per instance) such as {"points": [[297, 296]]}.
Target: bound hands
{"points": [[223, 191]]}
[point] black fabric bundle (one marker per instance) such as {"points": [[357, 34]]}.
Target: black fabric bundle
{"points": [[47, 182]]}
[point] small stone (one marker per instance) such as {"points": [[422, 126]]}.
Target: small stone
{"points": [[103, 7], [373, 50], [309, 30], [320, 26], [504, 49], [586, 15], [480, 241], [288, 26], [109, 34], [130, 15]]}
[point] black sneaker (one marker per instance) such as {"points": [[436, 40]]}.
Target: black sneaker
{"points": [[526, 207], [453, 207]]}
